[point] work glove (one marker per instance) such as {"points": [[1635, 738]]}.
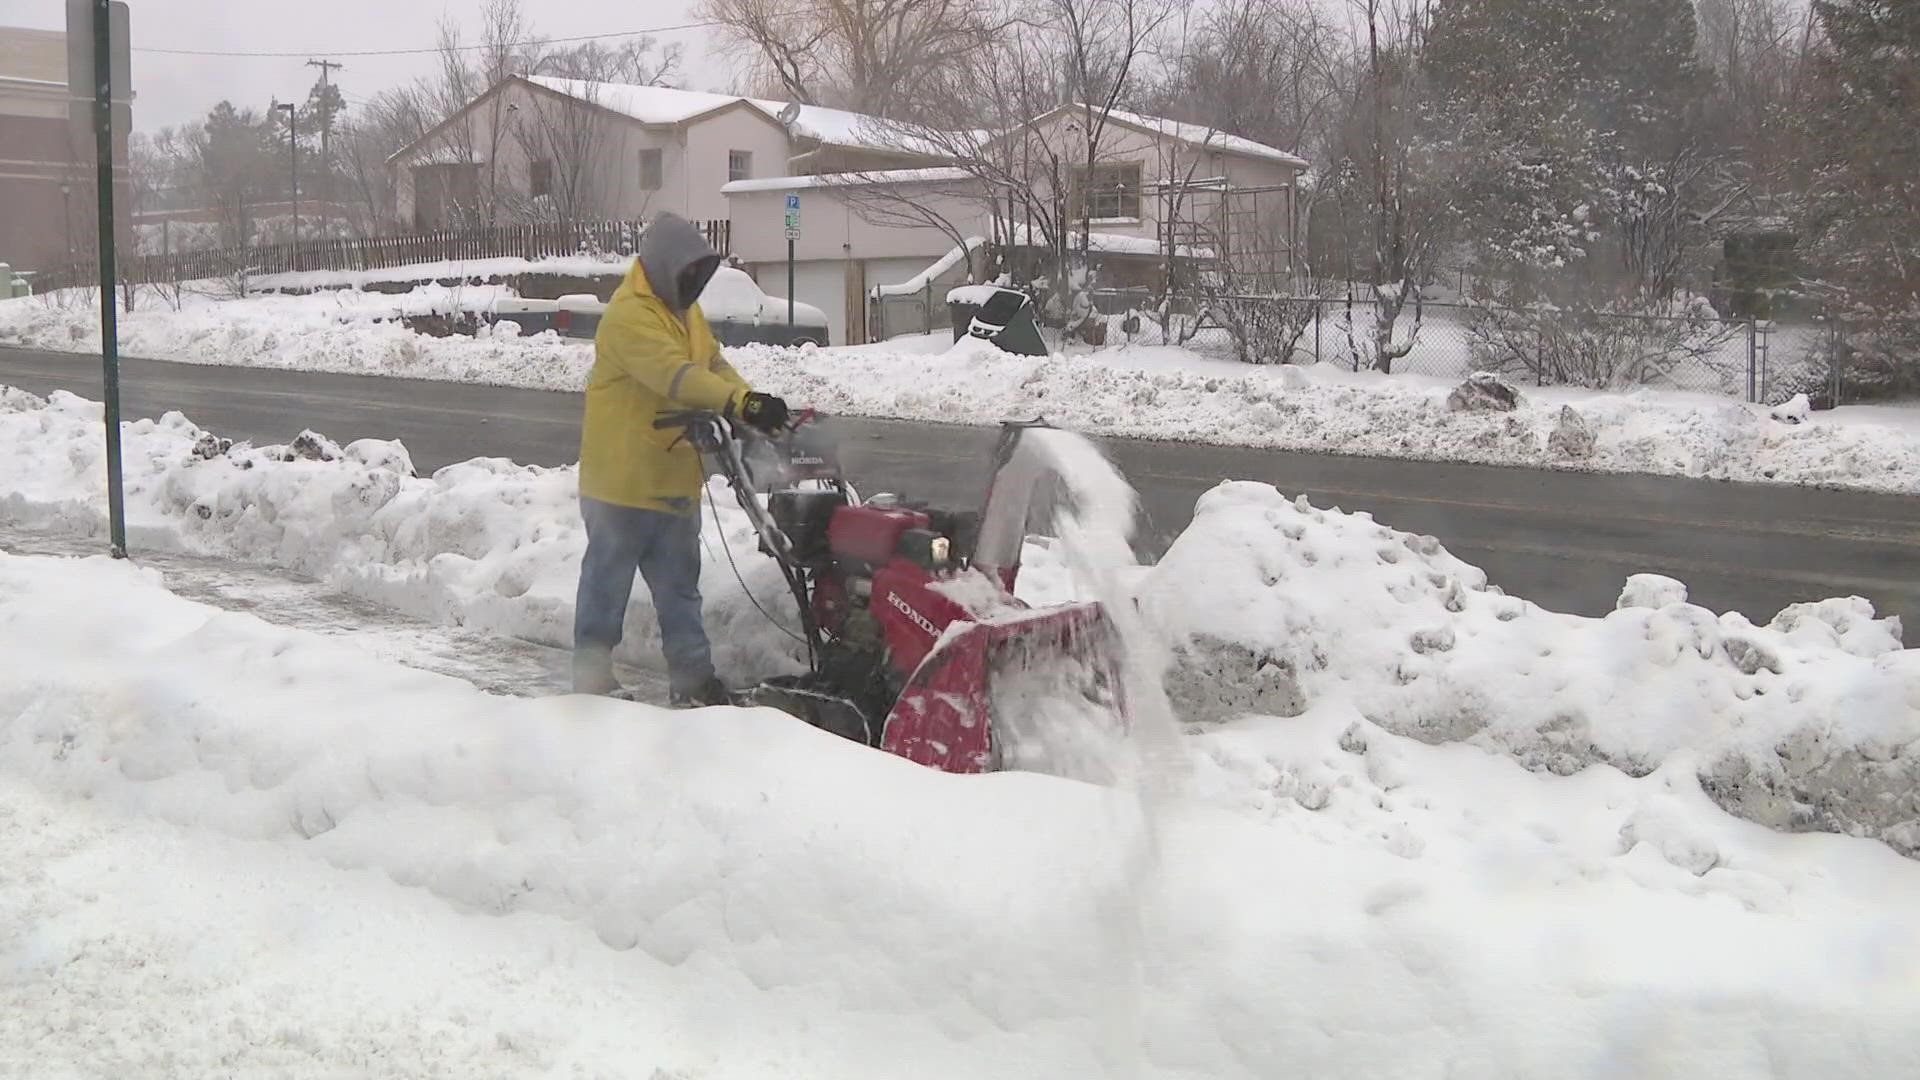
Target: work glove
{"points": [[764, 412]]}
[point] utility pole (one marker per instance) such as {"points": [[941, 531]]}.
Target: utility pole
{"points": [[293, 178], [326, 152]]}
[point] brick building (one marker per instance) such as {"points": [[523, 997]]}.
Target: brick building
{"points": [[46, 177]]}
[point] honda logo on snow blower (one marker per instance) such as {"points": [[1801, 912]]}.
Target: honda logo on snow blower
{"points": [[906, 609]]}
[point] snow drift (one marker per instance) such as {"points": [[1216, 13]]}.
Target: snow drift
{"points": [[1344, 902]]}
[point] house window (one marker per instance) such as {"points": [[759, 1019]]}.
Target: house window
{"points": [[650, 178], [540, 179], [739, 165], [1111, 191]]}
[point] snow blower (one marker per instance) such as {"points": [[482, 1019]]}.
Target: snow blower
{"points": [[915, 642]]}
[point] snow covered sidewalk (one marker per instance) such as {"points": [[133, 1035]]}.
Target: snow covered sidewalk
{"points": [[486, 545], [492, 662], [229, 845], [1151, 392]]}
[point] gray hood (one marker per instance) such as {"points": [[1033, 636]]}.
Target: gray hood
{"points": [[669, 248]]}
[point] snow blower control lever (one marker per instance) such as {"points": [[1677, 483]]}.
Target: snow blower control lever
{"points": [[904, 622]]}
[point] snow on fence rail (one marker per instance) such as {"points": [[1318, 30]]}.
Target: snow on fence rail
{"points": [[526, 241]]}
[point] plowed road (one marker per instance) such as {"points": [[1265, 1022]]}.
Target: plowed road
{"points": [[1565, 541]]}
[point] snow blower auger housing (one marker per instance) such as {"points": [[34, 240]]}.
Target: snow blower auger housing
{"points": [[907, 611]]}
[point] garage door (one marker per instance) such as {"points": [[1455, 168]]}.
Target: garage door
{"points": [[820, 283]]}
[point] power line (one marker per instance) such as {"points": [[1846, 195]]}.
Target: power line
{"points": [[705, 25]]}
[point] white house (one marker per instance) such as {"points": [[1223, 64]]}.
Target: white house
{"points": [[1155, 183], [543, 148]]}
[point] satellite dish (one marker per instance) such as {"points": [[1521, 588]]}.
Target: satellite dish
{"points": [[790, 113]]}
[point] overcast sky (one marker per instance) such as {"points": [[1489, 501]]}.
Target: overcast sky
{"points": [[179, 89]]}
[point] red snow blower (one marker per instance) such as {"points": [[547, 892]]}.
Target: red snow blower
{"points": [[915, 642]]}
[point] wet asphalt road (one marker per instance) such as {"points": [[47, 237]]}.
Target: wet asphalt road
{"points": [[1563, 540]]}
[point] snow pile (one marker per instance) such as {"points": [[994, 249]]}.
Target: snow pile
{"points": [[1270, 606], [1809, 722], [351, 332], [778, 900], [484, 543], [1167, 393], [1794, 410], [469, 270]]}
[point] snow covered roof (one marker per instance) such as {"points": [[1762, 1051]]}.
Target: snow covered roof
{"points": [[1192, 134], [647, 104], [1108, 243], [839, 127], [859, 179], [667, 105]]}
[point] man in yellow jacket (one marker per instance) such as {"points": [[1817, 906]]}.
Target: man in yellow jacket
{"points": [[640, 487]]}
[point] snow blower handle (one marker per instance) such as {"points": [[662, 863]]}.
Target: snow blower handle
{"points": [[707, 431]]}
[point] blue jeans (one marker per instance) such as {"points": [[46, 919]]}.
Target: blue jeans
{"points": [[665, 549]]}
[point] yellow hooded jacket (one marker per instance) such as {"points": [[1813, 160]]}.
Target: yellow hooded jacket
{"points": [[648, 362]]}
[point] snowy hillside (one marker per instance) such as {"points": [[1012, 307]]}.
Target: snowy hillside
{"points": [[413, 878], [1151, 392]]}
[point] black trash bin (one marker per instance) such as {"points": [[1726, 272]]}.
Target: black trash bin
{"points": [[1004, 318]]}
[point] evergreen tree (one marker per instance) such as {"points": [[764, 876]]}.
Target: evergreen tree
{"points": [[1865, 206], [1565, 117]]}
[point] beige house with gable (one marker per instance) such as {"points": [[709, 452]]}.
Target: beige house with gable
{"points": [[537, 147]]}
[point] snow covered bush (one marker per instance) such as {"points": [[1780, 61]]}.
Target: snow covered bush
{"points": [[1602, 348], [1263, 329]]}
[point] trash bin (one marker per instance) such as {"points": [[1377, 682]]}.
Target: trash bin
{"points": [[1001, 316]]}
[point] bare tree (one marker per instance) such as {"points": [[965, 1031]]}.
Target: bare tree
{"points": [[1274, 71], [1384, 184], [382, 127], [977, 116], [506, 48], [870, 56], [1761, 52], [564, 139]]}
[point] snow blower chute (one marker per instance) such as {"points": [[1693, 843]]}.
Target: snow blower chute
{"points": [[907, 611]]}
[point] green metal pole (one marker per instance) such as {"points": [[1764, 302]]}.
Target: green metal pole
{"points": [[109, 333]]}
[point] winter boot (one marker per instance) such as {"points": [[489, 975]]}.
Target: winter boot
{"points": [[593, 671], [714, 692]]}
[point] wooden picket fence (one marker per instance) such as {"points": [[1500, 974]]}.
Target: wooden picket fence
{"points": [[528, 241]]}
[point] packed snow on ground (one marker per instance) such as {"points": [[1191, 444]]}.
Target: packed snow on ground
{"points": [[1263, 605], [235, 847], [1153, 392]]}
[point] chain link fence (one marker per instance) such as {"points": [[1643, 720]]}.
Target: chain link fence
{"points": [[1831, 361], [1699, 351]]}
